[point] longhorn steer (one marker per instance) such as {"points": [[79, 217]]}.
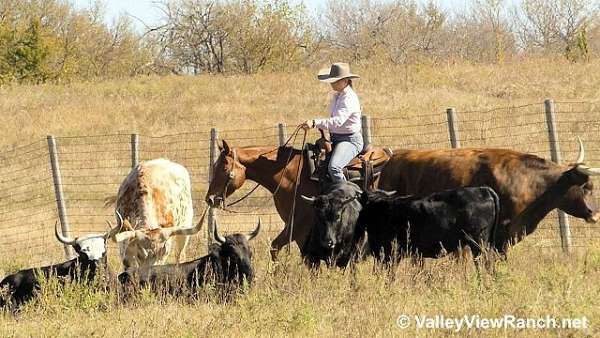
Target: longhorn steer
{"points": [[528, 186], [21, 286], [155, 202]]}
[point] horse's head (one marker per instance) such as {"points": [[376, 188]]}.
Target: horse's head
{"points": [[228, 176]]}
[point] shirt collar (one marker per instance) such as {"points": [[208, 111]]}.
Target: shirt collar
{"points": [[344, 91]]}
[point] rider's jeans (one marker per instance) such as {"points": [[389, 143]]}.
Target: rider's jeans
{"points": [[345, 148]]}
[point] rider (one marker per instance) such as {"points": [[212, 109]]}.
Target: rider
{"points": [[344, 123]]}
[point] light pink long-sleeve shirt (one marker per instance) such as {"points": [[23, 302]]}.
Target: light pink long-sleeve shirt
{"points": [[345, 114]]}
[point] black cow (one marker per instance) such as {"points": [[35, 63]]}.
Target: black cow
{"points": [[333, 237], [21, 286], [440, 223], [227, 263]]}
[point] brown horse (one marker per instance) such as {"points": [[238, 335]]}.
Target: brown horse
{"points": [[276, 169]]}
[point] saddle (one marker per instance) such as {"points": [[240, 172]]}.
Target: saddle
{"points": [[363, 170]]}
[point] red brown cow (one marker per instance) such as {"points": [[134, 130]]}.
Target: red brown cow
{"points": [[529, 187]]}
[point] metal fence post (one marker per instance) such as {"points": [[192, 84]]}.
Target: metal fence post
{"points": [[453, 128], [58, 192], [282, 133], [366, 130], [563, 221], [213, 150], [135, 142]]}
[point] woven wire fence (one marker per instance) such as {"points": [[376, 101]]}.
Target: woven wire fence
{"points": [[93, 167], [522, 128]]}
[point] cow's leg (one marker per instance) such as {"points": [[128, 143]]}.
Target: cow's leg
{"points": [[162, 260], [179, 247]]}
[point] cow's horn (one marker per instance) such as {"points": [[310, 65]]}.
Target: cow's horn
{"points": [[120, 219], [310, 200], [388, 193], [220, 239], [124, 235], [581, 156], [254, 233], [182, 231], [62, 238], [111, 231], [587, 170]]}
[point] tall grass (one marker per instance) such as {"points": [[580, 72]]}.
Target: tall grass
{"points": [[288, 299]]}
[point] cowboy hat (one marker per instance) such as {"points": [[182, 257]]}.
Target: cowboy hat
{"points": [[338, 71]]}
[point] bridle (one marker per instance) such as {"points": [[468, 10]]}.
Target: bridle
{"points": [[231, 178], [231, 175]]}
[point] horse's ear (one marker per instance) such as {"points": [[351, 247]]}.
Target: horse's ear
{"points": [[225, 147]]}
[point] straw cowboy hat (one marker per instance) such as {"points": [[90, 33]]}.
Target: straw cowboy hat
{"points": [[338, 71]]}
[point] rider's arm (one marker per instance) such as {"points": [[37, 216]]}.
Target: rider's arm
{"points": [[346, 106]]}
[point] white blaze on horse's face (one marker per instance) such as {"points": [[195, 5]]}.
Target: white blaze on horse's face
{"points": [[228, 176]]}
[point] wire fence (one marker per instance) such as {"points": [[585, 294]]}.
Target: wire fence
{"points": [[93, 167]]}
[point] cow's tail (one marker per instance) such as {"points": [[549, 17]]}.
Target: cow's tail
{"points": [[496, 225]]}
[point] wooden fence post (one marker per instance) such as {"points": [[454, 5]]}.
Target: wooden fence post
{"points": [[282, 133], [563, 221], [366, 130], [213, 150], [453, 128], [135, 142], [58, 193]]}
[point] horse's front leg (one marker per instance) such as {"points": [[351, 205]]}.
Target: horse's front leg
{"points": [[302, 228]]}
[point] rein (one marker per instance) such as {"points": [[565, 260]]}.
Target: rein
{"points": [[232, 176], [296, 185]]}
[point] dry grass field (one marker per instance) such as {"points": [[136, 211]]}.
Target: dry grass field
{"points": [[408, 107]]}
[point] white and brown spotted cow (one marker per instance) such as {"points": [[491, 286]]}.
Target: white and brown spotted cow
{"points": [[154, 203]]}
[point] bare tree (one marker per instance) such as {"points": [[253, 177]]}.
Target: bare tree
{"points": [[554, 26], [483, 33]]}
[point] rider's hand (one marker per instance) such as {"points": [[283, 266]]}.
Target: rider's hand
{"points": [[308, 124]]}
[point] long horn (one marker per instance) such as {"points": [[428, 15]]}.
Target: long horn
{"points": [[587, 170], [183, 230], [62, 238], [120, 221], [124, 235], [113, 231], [310, 200], [220, 239], [581, 156], [254, 233]]}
